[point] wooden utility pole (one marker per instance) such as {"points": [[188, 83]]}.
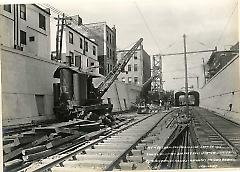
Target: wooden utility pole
{"points": [[204, 74], [186, 78]]}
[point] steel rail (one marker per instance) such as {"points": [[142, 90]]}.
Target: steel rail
{"points": [[118, 158], [82, 148], [231, 145], [234, 148]]}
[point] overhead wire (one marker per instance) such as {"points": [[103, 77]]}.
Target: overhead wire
{"points": [[228, 20], [59, 12], [199, 42], [177, 70], [146, 25]]}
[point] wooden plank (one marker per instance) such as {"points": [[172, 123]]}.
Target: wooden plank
{"points": [[66, 131], [38, 155], [95, 134], [45, 130], [29, 133], [18, 151], [24, 140], [33, 150], [11, 164], [8, 141], [12, 154], [69, 123], [89, 127], [9, 148], [58, 142]]}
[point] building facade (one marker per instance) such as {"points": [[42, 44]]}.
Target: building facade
{"points": [[138, 69], [26, 27], [26, 66], [219, 59], [77, 49], [105, 37]]}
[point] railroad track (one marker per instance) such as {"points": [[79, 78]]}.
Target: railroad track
{"points": [[217, 140], [126, 148]]}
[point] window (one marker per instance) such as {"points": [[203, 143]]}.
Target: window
{"points": [[107, 35], [107, 52], [129, 79], [113, 55], [135, 80], [70, 37], [92, 64], [23, 37], [31, 38], [108, 68], [78, 61], [135, 55], [81, 43], [129, 67], [123, 79], [42, 22], [87, 62], [23, 11], [40, 104], [110, 53], [71, 58], [110, 38], [7, 8], [135, 67], [86, 46], [94, 50]]}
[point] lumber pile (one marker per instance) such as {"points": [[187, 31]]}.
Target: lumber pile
{"points": [[43, 141]]}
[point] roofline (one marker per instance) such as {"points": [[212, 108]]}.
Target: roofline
{"points": [[96, 23], [105, 23], [224, 51], [42, 9], [82, 35]]}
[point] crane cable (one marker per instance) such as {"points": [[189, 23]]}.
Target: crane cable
{"points": [[146, 25]]}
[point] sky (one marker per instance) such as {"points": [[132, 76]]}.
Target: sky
{"points": [[161, 24]]}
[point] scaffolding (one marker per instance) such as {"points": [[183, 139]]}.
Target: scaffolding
{"points": [[157, 83]]}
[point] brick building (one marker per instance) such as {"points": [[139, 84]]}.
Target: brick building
{"points": [[105, 37], [138, 69]]}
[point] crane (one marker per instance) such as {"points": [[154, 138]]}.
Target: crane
{"points": [[112, 75], [91, 106]]}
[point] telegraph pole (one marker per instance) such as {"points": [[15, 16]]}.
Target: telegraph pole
{"points": [[186, 78], [204, 71]]}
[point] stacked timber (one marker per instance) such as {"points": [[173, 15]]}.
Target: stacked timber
{"points": [[43, 141]]}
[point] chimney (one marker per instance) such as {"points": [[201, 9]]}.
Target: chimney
{"points": [[77, 19]]}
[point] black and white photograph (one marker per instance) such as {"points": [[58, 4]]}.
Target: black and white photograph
{"points": [[119, 85]]}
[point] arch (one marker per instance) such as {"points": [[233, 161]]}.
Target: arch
{"points": [[180, 93], [196, 96], [177, 95]]}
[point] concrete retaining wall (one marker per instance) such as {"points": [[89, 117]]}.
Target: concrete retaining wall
{"points": [[122, 95], [222, 90], [23, 78]]}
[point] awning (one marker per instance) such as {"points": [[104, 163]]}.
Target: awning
{"points": [[74, 70]]}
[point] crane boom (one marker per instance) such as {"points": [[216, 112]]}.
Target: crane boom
{"points": [[112, 75], [148, 81]]}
